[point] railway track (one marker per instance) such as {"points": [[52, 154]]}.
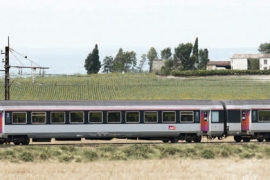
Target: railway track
{"points": [[119, 143]]}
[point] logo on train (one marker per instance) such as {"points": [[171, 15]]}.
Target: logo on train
{"points": [[172, 128]]}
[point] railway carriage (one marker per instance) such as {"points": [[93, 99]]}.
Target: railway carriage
{"points": [[187, 120], [248, 119]]}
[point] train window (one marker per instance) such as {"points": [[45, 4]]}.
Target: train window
{"points": [[150, 116], [95, 117], [186, 116], [168, 116], [215, 116], [19, 117], [58, 117], [114, 117], [264, 115], [132, 117], [76, 117], [38, 117]]}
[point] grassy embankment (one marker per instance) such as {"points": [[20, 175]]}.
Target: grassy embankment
{"points": [[136, 87], [71, 153]]}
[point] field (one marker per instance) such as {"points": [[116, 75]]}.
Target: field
{"points": [[137, 87], [139, 161], [143, 169]]}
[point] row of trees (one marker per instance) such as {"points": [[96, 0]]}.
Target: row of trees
{"points": [[186, 57]]}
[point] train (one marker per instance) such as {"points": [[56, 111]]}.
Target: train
{"points": [[165, 120]]}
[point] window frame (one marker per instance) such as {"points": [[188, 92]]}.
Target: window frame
{"points": [[114, 112], [186, 114], [45, 118], [19, 112], [217, 116], [144, 119], [76, 122], [132, 112], [89, 112], [265, 62], [168, 121], [51, 120], [259, 116]]}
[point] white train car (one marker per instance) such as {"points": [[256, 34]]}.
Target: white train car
{"points": [[72, 120], [248, 119]]}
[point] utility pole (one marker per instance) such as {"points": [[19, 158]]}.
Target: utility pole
{"points": [[7, 66]]}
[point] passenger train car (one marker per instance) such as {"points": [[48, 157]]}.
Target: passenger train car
{"points": [[169, 121]]}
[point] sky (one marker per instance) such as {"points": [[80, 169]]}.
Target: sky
{"points": [[49, 30]]}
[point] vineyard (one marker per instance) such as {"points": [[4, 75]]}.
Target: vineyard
{"points": [[135, 87]]}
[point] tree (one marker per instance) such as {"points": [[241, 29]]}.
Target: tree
{"points": [[108, 64], [151, 55], [166, 53], [92, 63], [182, 59], [118, 61], [264, 48], [124, 61], [142, 61], [195, 51], [203, 58], [129, 60]]}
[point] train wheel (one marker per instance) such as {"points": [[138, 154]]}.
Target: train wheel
{"points": [[237, 138], [188, 141], [165, 141], [267, 139], [198, 139], [174, 140], [17, 143], [260, 140], [246, 139]]}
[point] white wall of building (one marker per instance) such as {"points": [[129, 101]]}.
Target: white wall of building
{"points": [[264, 63], [239, 64]]}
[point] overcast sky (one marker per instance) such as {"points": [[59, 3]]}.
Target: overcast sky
{"points": [[134, 24]]}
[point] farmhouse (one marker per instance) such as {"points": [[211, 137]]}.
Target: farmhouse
{"points": [[157, 64], [246, 61], [215, 65]]}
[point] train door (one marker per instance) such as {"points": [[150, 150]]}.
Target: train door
{"points": [[245, 120], [204, 121], [1, 123]]}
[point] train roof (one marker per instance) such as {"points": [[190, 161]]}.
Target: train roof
{"points": [[109, 103], [160, 104], [249, 104]]}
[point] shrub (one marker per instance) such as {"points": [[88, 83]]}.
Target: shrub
{"points": [[138, 151], [27, 157], [65, 158], [90, 155], [208, 154]]}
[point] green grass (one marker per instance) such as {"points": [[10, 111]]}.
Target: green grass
{"points": [[71, 153], [135, 87]]}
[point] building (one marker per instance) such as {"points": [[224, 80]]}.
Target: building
{"points": [[157, 65], [242, 61], [215, 65]]}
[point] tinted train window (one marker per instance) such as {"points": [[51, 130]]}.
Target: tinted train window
{"points": [[38, 117], [58, 117], [114, 117], [215, 116], [95, 117], [168, 116], [186, 116], [264, 115], [19, 118], [132, 117], [234, 116], [150, 116], [76, 117]]}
